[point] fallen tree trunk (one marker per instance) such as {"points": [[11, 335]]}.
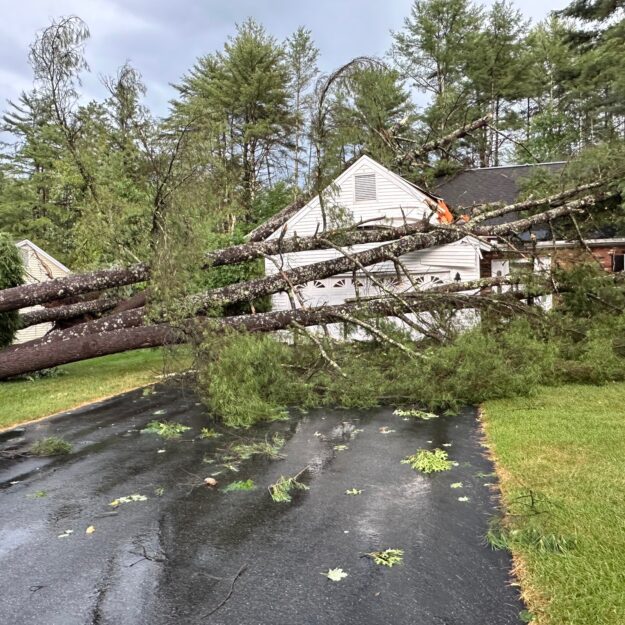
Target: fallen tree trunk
{"points": [[253, 289], [413, 156], [441, 234], [279, 219], [491, 211], [26, 358], [136, 318], [41, 293], [75, 284], [64, 313]]}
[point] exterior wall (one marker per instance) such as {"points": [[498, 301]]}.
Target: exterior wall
{"points": [[426, 268], [37, 269], [563, 257], [604, 255], [395, 201]]}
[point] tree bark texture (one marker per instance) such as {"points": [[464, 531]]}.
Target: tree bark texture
{"points": [[38, 355]]}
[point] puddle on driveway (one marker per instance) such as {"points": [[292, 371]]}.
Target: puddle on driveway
{"points": [[173, 557]]}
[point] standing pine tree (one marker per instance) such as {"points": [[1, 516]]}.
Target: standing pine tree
{"points": [[496, 72], [370, 105], [551, 120], [599, 74], [11, 274], [239, 99], [302, 55], [434, 51]]}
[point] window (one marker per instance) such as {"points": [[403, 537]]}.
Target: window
{"points": [[365, 187], [427, 281], [618, 262], [339, 283], [319, 285], [391, 283]]}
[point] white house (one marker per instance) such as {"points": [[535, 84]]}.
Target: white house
{"points": [[368, 194], [39, 266]]}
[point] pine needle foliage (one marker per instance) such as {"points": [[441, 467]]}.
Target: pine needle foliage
{"points": [[246, 378], [242, 378], [239, 485], [282, 490], [427, 461], [51, 446], [207, 433], [388, 557], [11, 274], [269, 448], [415, 414]]}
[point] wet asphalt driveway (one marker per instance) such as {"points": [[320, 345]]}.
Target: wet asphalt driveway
{"points": [[176, 556]]}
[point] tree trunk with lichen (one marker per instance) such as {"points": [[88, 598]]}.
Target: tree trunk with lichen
{"points": [[71, 346], [127, 330]]}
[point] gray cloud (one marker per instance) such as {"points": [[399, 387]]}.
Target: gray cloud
{"points": [[162, 38]]}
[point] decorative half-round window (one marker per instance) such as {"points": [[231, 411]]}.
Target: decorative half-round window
{"points": [[319, 285], [339, 283], [426, 282]]}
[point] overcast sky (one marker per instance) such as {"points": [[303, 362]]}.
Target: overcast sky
{"points": [[162, 38]]}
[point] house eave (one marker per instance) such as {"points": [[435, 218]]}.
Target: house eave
{"points": [[33, 246]]}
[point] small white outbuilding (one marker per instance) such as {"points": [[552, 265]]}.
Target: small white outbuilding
{"points": [[39, 266]]}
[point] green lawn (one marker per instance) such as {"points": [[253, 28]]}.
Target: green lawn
{"points": [[561, 461], [76, 384]]}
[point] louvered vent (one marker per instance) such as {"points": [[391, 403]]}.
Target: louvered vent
{"points": [[365, 187]]}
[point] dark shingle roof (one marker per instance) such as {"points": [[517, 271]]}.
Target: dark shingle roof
{"points": [[488, 184]]}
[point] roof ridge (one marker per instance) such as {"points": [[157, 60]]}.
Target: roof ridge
{"points": [[517, 165]]}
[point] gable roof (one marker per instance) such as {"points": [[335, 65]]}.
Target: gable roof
{"points": [[26, 243], [407, 187], [486, 185]]}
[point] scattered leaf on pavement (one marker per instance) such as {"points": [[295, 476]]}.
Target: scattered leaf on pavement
{"points": [[336, 575], [127, 499], [388, 557]]}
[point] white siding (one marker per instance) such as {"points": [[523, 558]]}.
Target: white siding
{"points": [[440, 264], [459, 255], [395, 199]]}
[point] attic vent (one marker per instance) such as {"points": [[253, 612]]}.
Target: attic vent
{"points": [[365, 187]]}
